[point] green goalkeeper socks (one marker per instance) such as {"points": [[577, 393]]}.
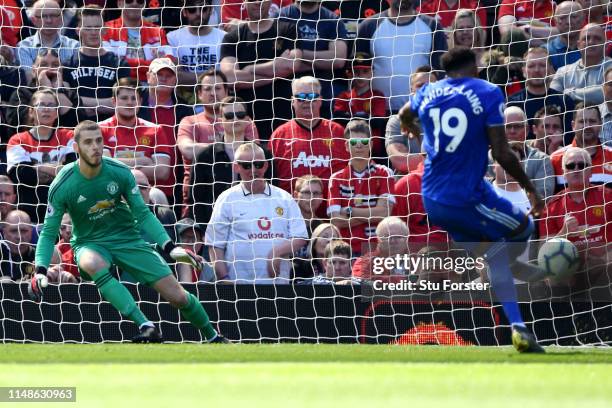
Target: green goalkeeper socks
{"points": [[195, 313], [118, 296]]}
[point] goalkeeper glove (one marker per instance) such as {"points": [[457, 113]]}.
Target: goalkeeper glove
{"points": [[183, 255], [37, 283]]}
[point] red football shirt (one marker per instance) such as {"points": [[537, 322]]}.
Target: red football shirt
{"points": [[23, 147], [594, 215], [146, 139], [348, 188], [440, 10], [601, 171], [299, 151], [527, 10], [409, 207]]}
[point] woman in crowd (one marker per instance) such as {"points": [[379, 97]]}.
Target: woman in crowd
{"points": [[310, 264]]}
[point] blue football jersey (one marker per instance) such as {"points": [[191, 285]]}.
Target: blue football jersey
{"points": [[455, 115]]}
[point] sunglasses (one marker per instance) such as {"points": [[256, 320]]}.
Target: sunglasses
{"points": [[258, 164], [234, 115], [575, 166], [356, 141], [303, 96]]}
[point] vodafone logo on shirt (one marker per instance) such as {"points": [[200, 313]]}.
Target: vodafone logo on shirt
{"points": [[264, 224], [311, 161]]}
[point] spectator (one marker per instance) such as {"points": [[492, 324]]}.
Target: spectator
{"points": [[360, 195], [6, 263], [190, 236], [548, 129], [137, 41], [595, 10], [582, 212], [404, 150], [258, 57], [66, 271], [533, 17], [93, 71], [308, 144], [409, 207], [535, 95], [34, 157], [308, 263], [213, 172], [467, 31], [507, 187], [605, 109], [10, 26], [254, 225], [134, 141], [392, 234], [363, 102], [536, 164], [46, 73], [8, 198], [161, 106], [337, 260], [399, 42], [11, 78], [47, 17], [322, 38], [504, 63], [582, 80], [197, 45], [563, 48], [17, 230], [309, 193], [587, 126], [163, 212], [445, 11], [199, 131], [234, 12]]}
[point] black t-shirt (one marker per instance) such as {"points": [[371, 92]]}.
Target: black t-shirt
{"points": [[22, 264], [94, 77], [269, 101]]}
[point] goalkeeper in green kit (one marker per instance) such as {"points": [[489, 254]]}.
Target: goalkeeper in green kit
{"points": [[107, 211]]}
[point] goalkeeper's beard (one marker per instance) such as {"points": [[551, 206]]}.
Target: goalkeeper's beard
{"points": [[92, 162]]}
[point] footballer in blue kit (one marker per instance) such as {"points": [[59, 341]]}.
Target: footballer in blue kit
{"points": [[462, 116]]}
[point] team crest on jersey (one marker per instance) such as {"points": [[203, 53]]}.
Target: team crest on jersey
{"points": [[327, 142], [144, 140], [280, 211], [112, 188], [598, 211]]}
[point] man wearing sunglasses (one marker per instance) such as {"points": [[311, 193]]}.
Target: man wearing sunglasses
{"points": [[582, 213], [47, 16], [308, 144], [255, 227], [587, 126], [360, 194], [137, 41], [197, 45]]}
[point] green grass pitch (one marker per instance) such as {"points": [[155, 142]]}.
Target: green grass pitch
{"points": [[303, 375]]}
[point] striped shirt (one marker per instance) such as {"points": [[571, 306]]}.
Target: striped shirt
{"points": [[27, 50]]}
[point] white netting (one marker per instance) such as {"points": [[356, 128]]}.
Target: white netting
{"points": [[176, 88]]}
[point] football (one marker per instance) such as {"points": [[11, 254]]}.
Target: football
{"points": [[559, 258]]}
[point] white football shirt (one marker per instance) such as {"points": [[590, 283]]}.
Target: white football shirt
{"points": [[196, 53]]}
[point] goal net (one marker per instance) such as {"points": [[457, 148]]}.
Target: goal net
{"points": [[266, 137]]}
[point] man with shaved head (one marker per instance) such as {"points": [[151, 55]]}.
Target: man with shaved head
{"points": [[582, 80], [47, 17], [563, 48]]}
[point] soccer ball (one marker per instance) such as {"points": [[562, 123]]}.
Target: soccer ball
{"points": [[559, 258]]}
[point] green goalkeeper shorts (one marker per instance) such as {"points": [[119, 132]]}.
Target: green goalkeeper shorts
{"points": [[138, 259]]}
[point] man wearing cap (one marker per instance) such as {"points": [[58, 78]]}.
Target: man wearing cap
{"points": [[162, 106], [134, 141]]}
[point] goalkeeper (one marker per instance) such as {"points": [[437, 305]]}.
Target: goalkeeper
{"points": [[107, 210]]}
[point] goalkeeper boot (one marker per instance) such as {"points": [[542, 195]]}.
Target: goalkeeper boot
{"points": [[524, 341], [148, 334], [219, 338]]}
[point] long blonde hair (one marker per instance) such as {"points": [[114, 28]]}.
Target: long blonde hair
{"points": [[480, 35], [317, 233]]}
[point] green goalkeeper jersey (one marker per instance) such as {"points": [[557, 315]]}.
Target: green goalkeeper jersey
{"points": [[107, 209]]}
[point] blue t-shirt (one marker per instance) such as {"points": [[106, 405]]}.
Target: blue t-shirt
{"points": [[455, 115], [559, 55]]}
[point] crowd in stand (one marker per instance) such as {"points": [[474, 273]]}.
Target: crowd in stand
{"points": [[270, 130]]}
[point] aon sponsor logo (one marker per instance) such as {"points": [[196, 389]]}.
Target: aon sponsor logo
{"points": [[311, 161]]}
